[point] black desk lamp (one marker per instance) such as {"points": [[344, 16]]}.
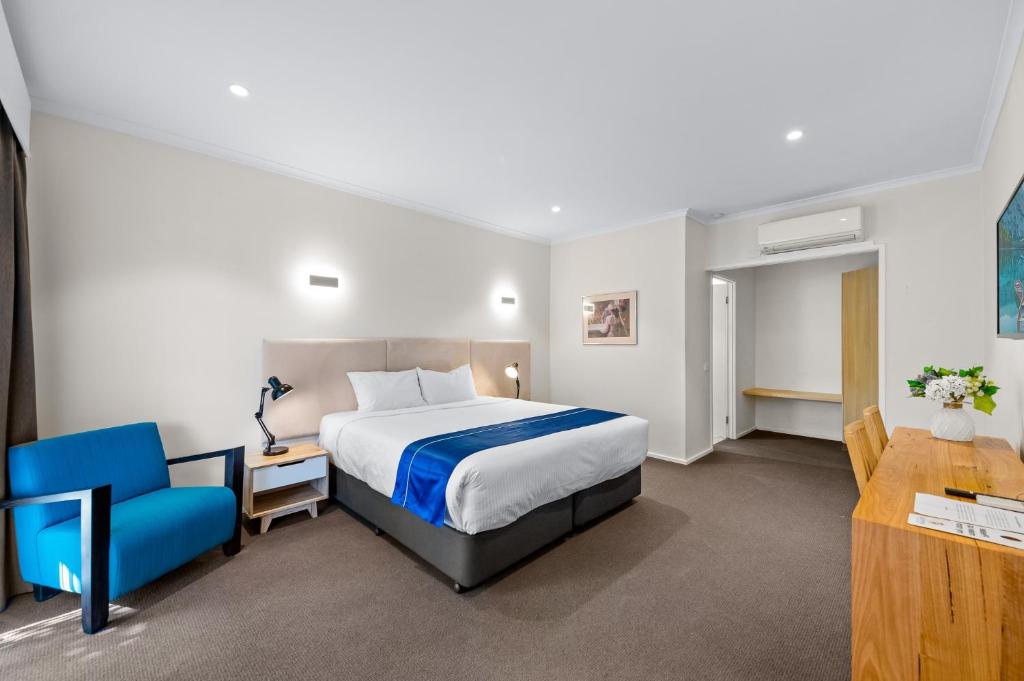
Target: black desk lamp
{"points": [[512, 371], [278, 390]]}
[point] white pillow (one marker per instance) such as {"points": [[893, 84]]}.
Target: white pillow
{"points": [[382, 390], [455, 386]]}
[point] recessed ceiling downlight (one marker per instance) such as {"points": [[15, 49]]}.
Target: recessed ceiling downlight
{"points": [[556, 209], [794, 135], [238, 90]]}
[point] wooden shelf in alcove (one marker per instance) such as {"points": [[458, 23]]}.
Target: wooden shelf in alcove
{"points": [[794, 395]]}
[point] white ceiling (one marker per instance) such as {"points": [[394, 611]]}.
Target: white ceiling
{"points": [[618, 112]]}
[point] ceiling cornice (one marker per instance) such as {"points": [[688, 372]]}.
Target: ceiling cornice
{"points": [[1009, 48], [1013, 35], [842, 194], [681, 213], [226, 154]]}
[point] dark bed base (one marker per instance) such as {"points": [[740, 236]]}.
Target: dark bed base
{"points": [[471, 558], [590, 504]]}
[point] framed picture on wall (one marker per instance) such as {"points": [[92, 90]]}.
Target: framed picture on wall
{"points": [[1010, 267], [610, 319]]}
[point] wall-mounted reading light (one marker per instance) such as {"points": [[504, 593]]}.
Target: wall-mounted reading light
{"points": [[318, 280], [503, 300]]}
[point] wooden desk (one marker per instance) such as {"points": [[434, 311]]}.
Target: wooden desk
{"points": [[927, 605]]}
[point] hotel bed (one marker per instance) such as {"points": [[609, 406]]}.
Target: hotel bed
{"points": [[501, 503], [495, 487]]}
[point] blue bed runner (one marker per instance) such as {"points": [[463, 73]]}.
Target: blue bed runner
{"points": [[427, 464]]}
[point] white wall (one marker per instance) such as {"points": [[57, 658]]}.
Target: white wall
{"points": [[720, 359], [698, 343], [157, 272], [1004, 358], [799, 342], [926, 228], [745, 308], [646, 379]]}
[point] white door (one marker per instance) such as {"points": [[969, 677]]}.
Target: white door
{"points": [[720, 359]]}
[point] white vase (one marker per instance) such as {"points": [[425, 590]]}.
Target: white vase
{"points": [[953, 423]]}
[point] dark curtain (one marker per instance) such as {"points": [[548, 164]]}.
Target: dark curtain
{"points": [[17, 366]]}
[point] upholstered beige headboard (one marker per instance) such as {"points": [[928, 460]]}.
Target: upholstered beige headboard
{"points": [[318, 368]]}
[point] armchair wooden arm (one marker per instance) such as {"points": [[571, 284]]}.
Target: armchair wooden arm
{"points": [[95, 518], [234, 459]]}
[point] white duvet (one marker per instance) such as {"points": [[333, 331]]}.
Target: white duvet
{"points": [[494, 487]]}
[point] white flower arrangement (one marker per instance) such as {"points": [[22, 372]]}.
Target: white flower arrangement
{"points": [[954, 386], [947, 389]]}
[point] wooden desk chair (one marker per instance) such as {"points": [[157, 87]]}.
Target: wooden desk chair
{"points": [[862, 455], [876, 430]]}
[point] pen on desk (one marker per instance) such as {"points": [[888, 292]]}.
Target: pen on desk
{"points": [[971, 494]]}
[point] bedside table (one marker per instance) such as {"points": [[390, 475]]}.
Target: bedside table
{"points": [[275, 486]]}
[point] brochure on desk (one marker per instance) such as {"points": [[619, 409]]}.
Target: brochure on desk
{"points": [[973, 521]]}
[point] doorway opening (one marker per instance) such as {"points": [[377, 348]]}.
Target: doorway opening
{"points": [[800, 361], [723, 391]]}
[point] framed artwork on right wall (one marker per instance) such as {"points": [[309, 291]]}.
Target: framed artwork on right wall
{"points": [[610, 319], [1010, 267]]}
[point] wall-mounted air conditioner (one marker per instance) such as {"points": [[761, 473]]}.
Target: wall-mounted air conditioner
{"points": [[811, 231]]}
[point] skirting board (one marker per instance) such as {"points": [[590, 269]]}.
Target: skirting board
{"points": [[748, 431], [679, 460], [797, 434]]}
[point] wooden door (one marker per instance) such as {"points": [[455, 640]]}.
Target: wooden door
{"points": [[860, 342]]}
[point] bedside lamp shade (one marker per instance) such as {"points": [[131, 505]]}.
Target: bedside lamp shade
{"points": [[278, 389], [512, 371]]}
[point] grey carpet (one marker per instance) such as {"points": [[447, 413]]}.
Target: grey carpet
{"points": [[735, 568]]}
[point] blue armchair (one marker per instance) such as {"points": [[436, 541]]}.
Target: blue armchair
{"points": [[95, 514]]}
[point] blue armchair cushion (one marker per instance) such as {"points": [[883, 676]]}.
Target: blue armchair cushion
{"points": [[129, 458], [150, 535]]}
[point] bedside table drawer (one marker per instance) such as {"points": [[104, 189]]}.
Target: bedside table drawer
{"points": [[288, 473]]}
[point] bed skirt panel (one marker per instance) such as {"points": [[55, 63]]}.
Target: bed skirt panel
{"points": [[467, 558], [592, 503]]}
